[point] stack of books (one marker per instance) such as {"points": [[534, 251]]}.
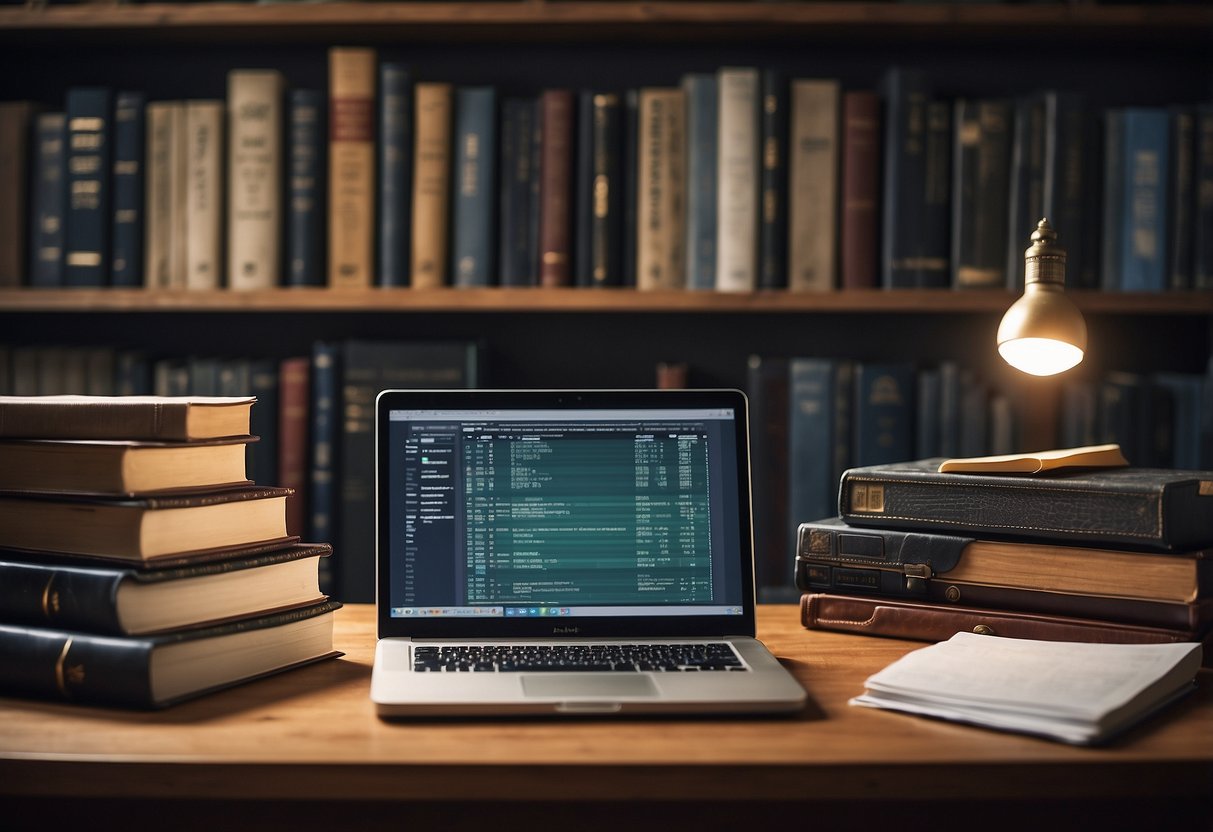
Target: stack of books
{"points": [[139, 565], [1063, 550]]}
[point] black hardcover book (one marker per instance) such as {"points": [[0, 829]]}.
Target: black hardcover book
{"points": [[1202, 232], [75, 594], [1071, 187], [87, 231], [395, 174], [981, 168], [606, 224], [767, 388], [48, 195], [1182, 198], [156, 671], [1148, 508], [263, 421], [583, 189], [126, 257], [1027, 181], [773, 209], [518, 192], [631, 168], [305, 215], [368, 368]]}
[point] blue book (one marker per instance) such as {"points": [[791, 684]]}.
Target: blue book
{"points": [[1071, 176], [48, 200], [395, 193], [1135, 221], [126, 259], [926, 419], [1186, 391], [702, 141], [517, 192], [322, 506], [305, 214], [980, 182], [820, 392], [773, 180], [474, 215], [87, 237], [1027, 181], [884, 413], [949, 409], [263, 421]]}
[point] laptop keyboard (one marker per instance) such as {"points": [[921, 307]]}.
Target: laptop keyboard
{"points": [[578, 658]]}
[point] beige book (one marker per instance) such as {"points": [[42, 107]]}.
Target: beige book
{"points": [[203, 194], [351, 211], [431, 185], [1088, 456], [661, 210], [164, 189], [737, 180], [254, 221], [813, 191]]}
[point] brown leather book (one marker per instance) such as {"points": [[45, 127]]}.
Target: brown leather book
{"points": [[931, 622], [293, 439], [860, 189], [14, 154], [431, 185], [163, 418], [555, 182], [351, 166]]}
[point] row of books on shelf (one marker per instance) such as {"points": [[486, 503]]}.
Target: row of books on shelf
{"points": [[314, 421], [814, 418], [1109, 555], [735, 179], [140, 565]]}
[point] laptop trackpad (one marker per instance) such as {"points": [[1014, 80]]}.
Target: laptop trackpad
{"points": [[571, 685]]}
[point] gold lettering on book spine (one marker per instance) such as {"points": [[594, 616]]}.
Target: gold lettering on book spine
{"points": [[60, 676]]}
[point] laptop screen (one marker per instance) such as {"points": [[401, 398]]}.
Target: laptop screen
{"points": [[540, 513]]}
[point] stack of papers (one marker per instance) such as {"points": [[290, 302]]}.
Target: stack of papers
{"points": [[1076, 693]]}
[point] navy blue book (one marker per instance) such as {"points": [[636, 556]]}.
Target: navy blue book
{"points": [[820, 393], [980, 180], [1186, 391], [367, 368], [884, 413], [1027, 181], [702, 140], [87, 231], [933, 264], [1202, 230], [583, 188], [927, 415], [949, 409], [305, 214], [395, 192], [126, 257], [974, 416], [322, 492], [1138, 159], [473, 245], [518, 191], [1113, 199], [1071, 187], [906, 95], [630, 189], [263, 421], [773, 176], [1181, 189], [48, 200]]}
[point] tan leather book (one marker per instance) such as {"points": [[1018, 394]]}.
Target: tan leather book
{"points": [[661, 208], [813, 192], [202, 195], [431, 185], [351, 207], [255, 160], [164, 238]]}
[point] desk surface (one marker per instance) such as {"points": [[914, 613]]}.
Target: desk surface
{"points": [[312, 733]]}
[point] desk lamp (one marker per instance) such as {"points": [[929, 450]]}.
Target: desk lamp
{"points": [[1043, 332]]}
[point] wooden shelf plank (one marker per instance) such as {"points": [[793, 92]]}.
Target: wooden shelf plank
{"points": [[581, 301]]}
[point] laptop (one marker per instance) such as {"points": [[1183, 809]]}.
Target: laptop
{"points": [[567, 552]]}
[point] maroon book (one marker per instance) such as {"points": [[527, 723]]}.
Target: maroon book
{"points": [[860, 189], [555, 182]]}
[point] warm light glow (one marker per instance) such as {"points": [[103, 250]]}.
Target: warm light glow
{"points": [[1040, 356]]}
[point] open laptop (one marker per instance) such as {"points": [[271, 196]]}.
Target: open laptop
{"points": [[571, 552]]}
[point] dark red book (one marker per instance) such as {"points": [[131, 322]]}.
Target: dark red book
{"points": [[555, 182], [293, 439], [860, 220]]}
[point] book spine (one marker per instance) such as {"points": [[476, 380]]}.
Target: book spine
{"points": [[606, 222], [1113, 201], [49, 198], [974, 416], [814, 189], [631, 182], [1144, 217], [127, 233], [293, 439], [1027, 182], [555, 187], [75, 667], [702, 147], [773, 206], [474, 218], [884, 413], [325, 392], [767, 388], [1202, 243], [860, 212], [518, 177], [431, 185], [86, 252], [933, 267], [737, 172], [1069, 184], [1180, 187], [15, 117], [165, 155], [305, 207], [46, 596], [395, 151], [351, 209], [255, 126], [927, 414], [979, 196], [203, 194], [659, 214], [583, 189], [262, 455]]}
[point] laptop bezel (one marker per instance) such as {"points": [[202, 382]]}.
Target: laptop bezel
{"points": [[579, 627]]}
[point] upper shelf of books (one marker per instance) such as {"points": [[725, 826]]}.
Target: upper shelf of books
{"points": [[591, 19], [580, 300]]}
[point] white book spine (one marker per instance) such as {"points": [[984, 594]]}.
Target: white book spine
{"points": [[813, 197], [163, 186], [203, 194], [254, 178], [737, 180]]}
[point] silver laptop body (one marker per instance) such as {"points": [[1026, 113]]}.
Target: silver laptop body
{"points": [[569, 552]]}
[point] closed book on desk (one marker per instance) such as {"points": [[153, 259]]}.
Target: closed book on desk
{"points": [[124, 417], [1150, 508], [76, 594], [120, 467], [147, 528], [155, 671]]}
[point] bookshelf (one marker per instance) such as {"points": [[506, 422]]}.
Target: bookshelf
{"points": [[1115, 55]]}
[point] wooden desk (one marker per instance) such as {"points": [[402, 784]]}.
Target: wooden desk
{"points": [[307, 746]]}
